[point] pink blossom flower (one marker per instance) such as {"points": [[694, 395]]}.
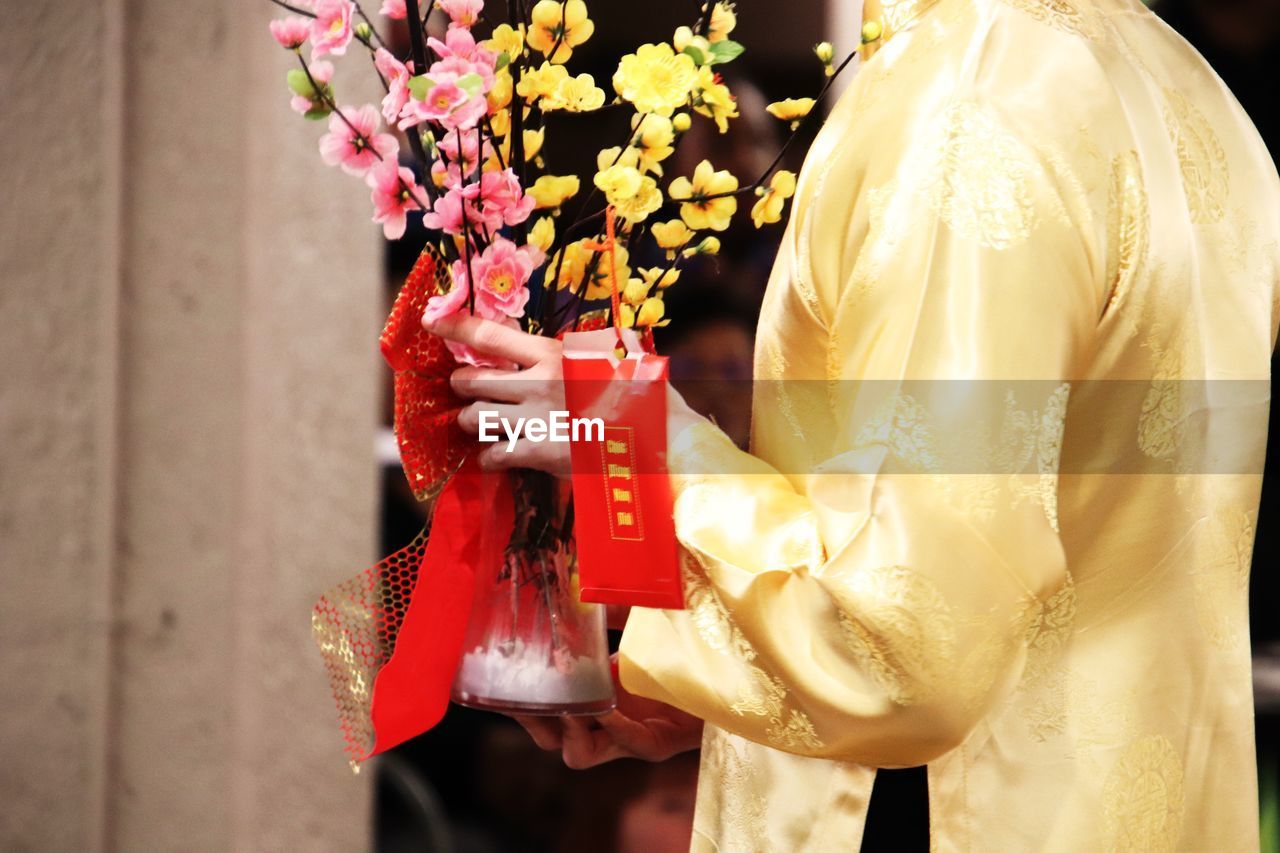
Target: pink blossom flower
{"points": [[501, 273], [455, 302], [322, 73], [354, 144], [460, 54], [290, 32], [447, 103], [490, 204], [394, 9], [439, 307], [331, 29], [503, 200], [397, 74], [463, 13], [464, 161], [394, 195], [447, 213]]}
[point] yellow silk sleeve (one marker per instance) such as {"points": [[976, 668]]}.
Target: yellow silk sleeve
{"points": [[875, 608]]}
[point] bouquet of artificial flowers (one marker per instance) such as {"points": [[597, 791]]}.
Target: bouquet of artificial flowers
{"points": [[514, 242]]}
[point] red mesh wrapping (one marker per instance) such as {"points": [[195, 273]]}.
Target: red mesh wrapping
{"points": [[355, 625]]}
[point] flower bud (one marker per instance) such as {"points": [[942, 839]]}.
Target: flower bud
{"points": [[363, 32], [680, 122], [825, 52], [681, 39], [871, 31], [708, 246]]}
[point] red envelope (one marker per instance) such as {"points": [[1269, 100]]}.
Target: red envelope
{"points": [[622, 500]]}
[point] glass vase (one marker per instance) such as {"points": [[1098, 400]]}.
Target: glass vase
{"points": [[531, 646]]}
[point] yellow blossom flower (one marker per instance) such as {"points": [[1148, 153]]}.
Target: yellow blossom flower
{"points": [[559, 27], [700, 209], [618, 182], [769, 207], [639, 205], [551, 191], [598, 286], [792, 109], [506, 39], [635, 292], [660, 277], [533, 140], [581, 263], [500, 122], [541, 82], [500, 95], [671, 235], [570, 265], [617, 156], [543, 233], [653, 141], [723, 20], [575, 94], [655, 79], [649, 314], [713, 99]]}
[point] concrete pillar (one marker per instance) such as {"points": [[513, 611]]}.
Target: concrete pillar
{"points": [[187, 407]]}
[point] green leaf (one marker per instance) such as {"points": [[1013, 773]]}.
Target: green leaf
{"points": [[419, 86], [504, 59], [471, 83], [725, 51], [299, 84], [696, 54], [317, 112]]}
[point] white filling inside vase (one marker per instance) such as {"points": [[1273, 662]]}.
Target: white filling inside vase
{"points": [[527, 674]]}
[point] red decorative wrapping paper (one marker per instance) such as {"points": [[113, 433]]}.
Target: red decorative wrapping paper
{"points": [[391, 637]]}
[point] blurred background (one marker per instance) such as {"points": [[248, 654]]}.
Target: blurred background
{"points": [[194, 439]]}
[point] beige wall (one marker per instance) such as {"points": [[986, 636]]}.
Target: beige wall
{"points": [[190, 306]]}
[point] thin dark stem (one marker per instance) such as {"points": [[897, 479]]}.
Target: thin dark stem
{"points": [[418, 50], [800, 124], [517, 119], [306, 13], [417, 44], [466, 227]]}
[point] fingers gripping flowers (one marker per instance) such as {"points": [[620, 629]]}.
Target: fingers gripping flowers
{"points": [[475, 102]]}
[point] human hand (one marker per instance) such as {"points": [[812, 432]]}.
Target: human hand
{"points": [[533, 391], [637, 728]]}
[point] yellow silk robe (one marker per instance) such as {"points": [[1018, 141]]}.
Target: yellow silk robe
{"points": [[1050, 232]]}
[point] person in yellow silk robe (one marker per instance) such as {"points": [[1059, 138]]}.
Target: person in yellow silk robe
{"points": [[999, 507]]}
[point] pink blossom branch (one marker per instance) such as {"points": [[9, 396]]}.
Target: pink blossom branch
{"points": [[364, 140]]}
